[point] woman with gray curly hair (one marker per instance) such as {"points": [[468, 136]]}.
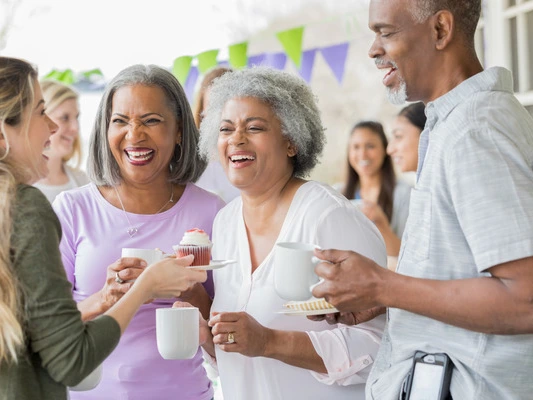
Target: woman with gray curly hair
{"points": [[266, 128], [143, 161]]}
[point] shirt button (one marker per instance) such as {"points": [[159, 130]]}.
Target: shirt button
{"points": [[366, 362]]}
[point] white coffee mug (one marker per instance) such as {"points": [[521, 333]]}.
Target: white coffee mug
{"points": [[151, 256], [294, 270], [177, 331]]}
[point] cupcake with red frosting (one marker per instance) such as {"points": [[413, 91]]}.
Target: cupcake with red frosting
{"points": [[196, 242]]}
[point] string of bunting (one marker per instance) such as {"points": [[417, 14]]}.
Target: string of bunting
{"points": [[188, 74]]}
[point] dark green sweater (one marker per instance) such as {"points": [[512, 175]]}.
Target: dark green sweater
{"points": [[60, 349]]}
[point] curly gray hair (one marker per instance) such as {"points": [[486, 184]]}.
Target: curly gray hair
{"points": [[186, 164], [291, 100]]}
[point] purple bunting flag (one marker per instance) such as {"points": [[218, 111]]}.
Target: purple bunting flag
{"points": [[274, 60], [254, 61], [335, 56], [190, 83], [308, 62]]}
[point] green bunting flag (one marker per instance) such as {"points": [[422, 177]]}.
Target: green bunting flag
{"points": [[181, 68], [207, 60], [291, 40], [66, 76], [238, 55]]}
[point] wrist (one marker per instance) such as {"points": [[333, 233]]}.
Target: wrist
{"points": [[271, 340], [143, 286], [385, 289]]}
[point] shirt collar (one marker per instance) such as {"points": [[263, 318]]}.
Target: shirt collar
{"points": [[492, 79]]}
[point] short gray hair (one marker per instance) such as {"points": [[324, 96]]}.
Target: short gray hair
{"points": [[465, 12], [291, 100], [185, 166]]}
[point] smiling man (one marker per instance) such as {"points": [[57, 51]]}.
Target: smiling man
{"points": [[464, 285]]}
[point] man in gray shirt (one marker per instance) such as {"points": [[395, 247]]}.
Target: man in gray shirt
{"points": [[464, 285]]}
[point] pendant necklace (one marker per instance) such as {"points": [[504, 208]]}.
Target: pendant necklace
{"points": [[132, 230]]}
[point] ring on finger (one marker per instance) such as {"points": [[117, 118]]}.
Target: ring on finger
{"points": [[118, 279], [231, 338]]}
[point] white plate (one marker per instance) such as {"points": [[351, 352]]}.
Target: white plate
{"points": [[308, 312], [214, 264]]}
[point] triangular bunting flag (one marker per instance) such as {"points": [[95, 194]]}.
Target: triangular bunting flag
{"points": [[254, 61], [275, 60], [238, 57], [335, 56], [181, 67], [190, 84], [207, 60], [308, 61], [291, 40]]}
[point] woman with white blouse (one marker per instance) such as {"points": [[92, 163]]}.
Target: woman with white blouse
{"points": [[265, 127]]}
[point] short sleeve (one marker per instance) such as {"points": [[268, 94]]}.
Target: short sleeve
{"points": [[491, 188]]}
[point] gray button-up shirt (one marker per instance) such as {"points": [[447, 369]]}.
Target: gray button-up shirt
{"points": [[471, 209]]}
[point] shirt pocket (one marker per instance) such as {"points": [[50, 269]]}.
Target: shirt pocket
{"points": [[419, 226]]}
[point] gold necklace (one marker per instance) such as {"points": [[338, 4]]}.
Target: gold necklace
{"points": [[132, 230]]}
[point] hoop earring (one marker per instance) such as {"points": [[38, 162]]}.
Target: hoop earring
{"points": [[177, 160]]}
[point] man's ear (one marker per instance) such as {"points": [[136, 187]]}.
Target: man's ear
{"points": [[443, 28]]}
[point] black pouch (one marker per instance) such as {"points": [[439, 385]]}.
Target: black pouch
{"points": [[429, 378]]}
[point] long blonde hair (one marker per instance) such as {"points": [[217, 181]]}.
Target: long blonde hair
{"points": [[54, 94], [17, 78]]}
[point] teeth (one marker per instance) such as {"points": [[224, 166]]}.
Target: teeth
{"points": [[364, 163], [140, 155], [240, 157]]}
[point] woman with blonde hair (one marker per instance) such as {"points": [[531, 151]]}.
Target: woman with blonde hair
{"points": [[62, 107], [44, 344]]}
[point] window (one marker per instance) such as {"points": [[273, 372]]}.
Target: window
{"points": [[507, 30]]}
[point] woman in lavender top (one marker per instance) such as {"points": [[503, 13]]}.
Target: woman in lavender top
{"points": [[142, 162]]}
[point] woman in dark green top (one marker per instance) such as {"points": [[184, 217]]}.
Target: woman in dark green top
{"points": [[44, 345]]}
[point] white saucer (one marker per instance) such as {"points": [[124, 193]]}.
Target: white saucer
{"points": [[308, 312], [213, 264]]}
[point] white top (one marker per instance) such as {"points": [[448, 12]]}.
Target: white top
{"points": [[214, 179], [471, 209], [76, 178], [320, 215]]}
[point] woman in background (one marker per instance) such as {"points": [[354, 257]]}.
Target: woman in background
{"points": [[62, 107], [44, 344], [213, 179], [372, 184], [406, 130]]}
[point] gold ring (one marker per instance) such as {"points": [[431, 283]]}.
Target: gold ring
{"points": [[231, 338], [118, 279]]}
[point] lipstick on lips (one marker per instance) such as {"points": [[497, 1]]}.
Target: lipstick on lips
{"points": [[139, 155]]}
